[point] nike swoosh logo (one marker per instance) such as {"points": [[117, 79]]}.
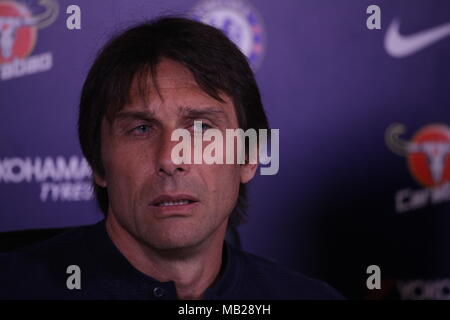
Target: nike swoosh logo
{"points": [[400, 46]]}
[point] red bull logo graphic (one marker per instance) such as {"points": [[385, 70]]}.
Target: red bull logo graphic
{"points": [[428, 160], [18, 36]]}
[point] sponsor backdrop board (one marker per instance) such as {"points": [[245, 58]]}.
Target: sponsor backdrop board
{"points": [[362, 111]]}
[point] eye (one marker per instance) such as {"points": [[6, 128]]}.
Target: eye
{"points": [[205, 126], [140, 130]]}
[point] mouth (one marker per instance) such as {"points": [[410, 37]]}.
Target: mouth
{"points": [[174, 205], [173, 201]]}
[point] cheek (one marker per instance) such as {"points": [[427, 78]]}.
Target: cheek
{"points": [[222, 183], [125, 166]]}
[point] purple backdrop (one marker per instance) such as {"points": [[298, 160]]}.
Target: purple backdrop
{"points": [[343, 198]]}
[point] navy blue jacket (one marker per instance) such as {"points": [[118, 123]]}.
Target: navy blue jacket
{"points": [[39, 272]]}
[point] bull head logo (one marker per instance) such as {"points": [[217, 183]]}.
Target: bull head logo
{"points": [[10, 24], [432, 141]]}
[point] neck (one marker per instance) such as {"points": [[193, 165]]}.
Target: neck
{"points": [[193, 269]]}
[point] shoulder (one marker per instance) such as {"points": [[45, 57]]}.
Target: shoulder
{"points": [[67, 242], [265, 279], [25, 272]]}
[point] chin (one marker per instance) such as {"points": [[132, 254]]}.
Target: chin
{"points": [[175, 241], [178, 234]]}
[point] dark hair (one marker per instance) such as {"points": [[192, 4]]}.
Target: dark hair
{"points": [[216, 63]]}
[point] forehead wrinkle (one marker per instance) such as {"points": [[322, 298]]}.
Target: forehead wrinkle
{"points": [[188, 111]]}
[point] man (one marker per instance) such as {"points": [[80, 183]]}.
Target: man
{"points": [[163, 236]]}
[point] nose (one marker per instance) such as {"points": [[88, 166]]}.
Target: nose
{"points": [[165, 165]]}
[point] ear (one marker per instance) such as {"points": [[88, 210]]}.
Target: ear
{"points": [[99, 180], [248, 171]]}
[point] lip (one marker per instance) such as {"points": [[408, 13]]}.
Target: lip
{"points": [[173, 197], [173, 210]]}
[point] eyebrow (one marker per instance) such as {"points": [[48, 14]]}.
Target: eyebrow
{"points": [[143, 115], [186, 112], [192, 113]]}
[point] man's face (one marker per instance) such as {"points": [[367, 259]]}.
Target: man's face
{"points": [[168, 206]]}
